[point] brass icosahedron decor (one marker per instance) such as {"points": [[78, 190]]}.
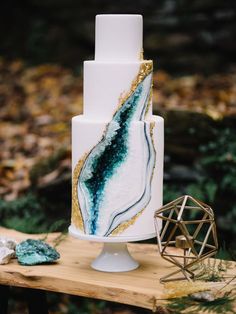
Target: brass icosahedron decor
{"points": [[189, 226]]}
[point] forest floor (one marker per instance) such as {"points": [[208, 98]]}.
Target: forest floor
{"points": [[37, 104]]}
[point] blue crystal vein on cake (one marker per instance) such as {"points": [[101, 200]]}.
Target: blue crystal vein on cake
{"points": [[105, 159]]}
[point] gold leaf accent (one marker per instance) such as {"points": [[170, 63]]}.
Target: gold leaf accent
{"points": [[149, 100], [123, 226], [146, 68], [76, 217], [152, 126], [141, 55]]}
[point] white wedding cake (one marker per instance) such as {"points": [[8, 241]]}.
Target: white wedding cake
{"points": [[117, 144]]}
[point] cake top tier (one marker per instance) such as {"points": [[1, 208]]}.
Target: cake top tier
{"points": [[118, 37]]}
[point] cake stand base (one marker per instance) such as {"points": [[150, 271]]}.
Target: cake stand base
{"points": [[114, 257]]}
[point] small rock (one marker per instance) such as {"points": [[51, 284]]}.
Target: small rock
{"points": [[5, 255], [8, 242], [204, 296], [33, 252]]}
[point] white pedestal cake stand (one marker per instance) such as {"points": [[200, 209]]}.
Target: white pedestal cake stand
{"points": [[114, 256]]}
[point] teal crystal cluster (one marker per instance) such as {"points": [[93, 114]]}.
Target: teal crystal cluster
{"points": [[105, 159], [33, 252]]}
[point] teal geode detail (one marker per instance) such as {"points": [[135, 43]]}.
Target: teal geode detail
{"points": [[32, 252], [104, 160]]}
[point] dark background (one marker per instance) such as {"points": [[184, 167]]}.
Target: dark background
{"points": [[181, 36]]}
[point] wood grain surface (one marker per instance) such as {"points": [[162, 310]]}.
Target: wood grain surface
{"points": [[72, 274]]}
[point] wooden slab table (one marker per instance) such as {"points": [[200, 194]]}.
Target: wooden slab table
{"points": [[73, 275]]}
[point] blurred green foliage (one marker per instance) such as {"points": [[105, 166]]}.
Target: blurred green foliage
{"points": [[215, 184], [24, 214], [30, 214]]}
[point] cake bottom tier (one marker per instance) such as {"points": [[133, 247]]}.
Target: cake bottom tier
{"points": [[117, 178]]}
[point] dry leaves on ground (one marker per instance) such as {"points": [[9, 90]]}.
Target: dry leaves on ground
{"points": [[37, 104]]}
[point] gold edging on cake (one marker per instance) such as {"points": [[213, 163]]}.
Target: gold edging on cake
{"points": [[149, 100], [145, 69], [141, 55], [76, 217], [152, 126], [123, 226]]}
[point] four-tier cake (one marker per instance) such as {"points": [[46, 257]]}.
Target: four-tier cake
{"points": [[117, 143]]}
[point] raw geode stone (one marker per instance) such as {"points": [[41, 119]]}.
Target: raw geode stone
{"points": [[8, 242], [33, 252], [5, 255], [204, 296]]}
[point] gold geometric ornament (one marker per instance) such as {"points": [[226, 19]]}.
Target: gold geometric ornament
{"points": [[188, 225]]}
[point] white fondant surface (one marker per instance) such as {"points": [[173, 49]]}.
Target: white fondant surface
{"points": [[118, 37], [104, 83]]}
